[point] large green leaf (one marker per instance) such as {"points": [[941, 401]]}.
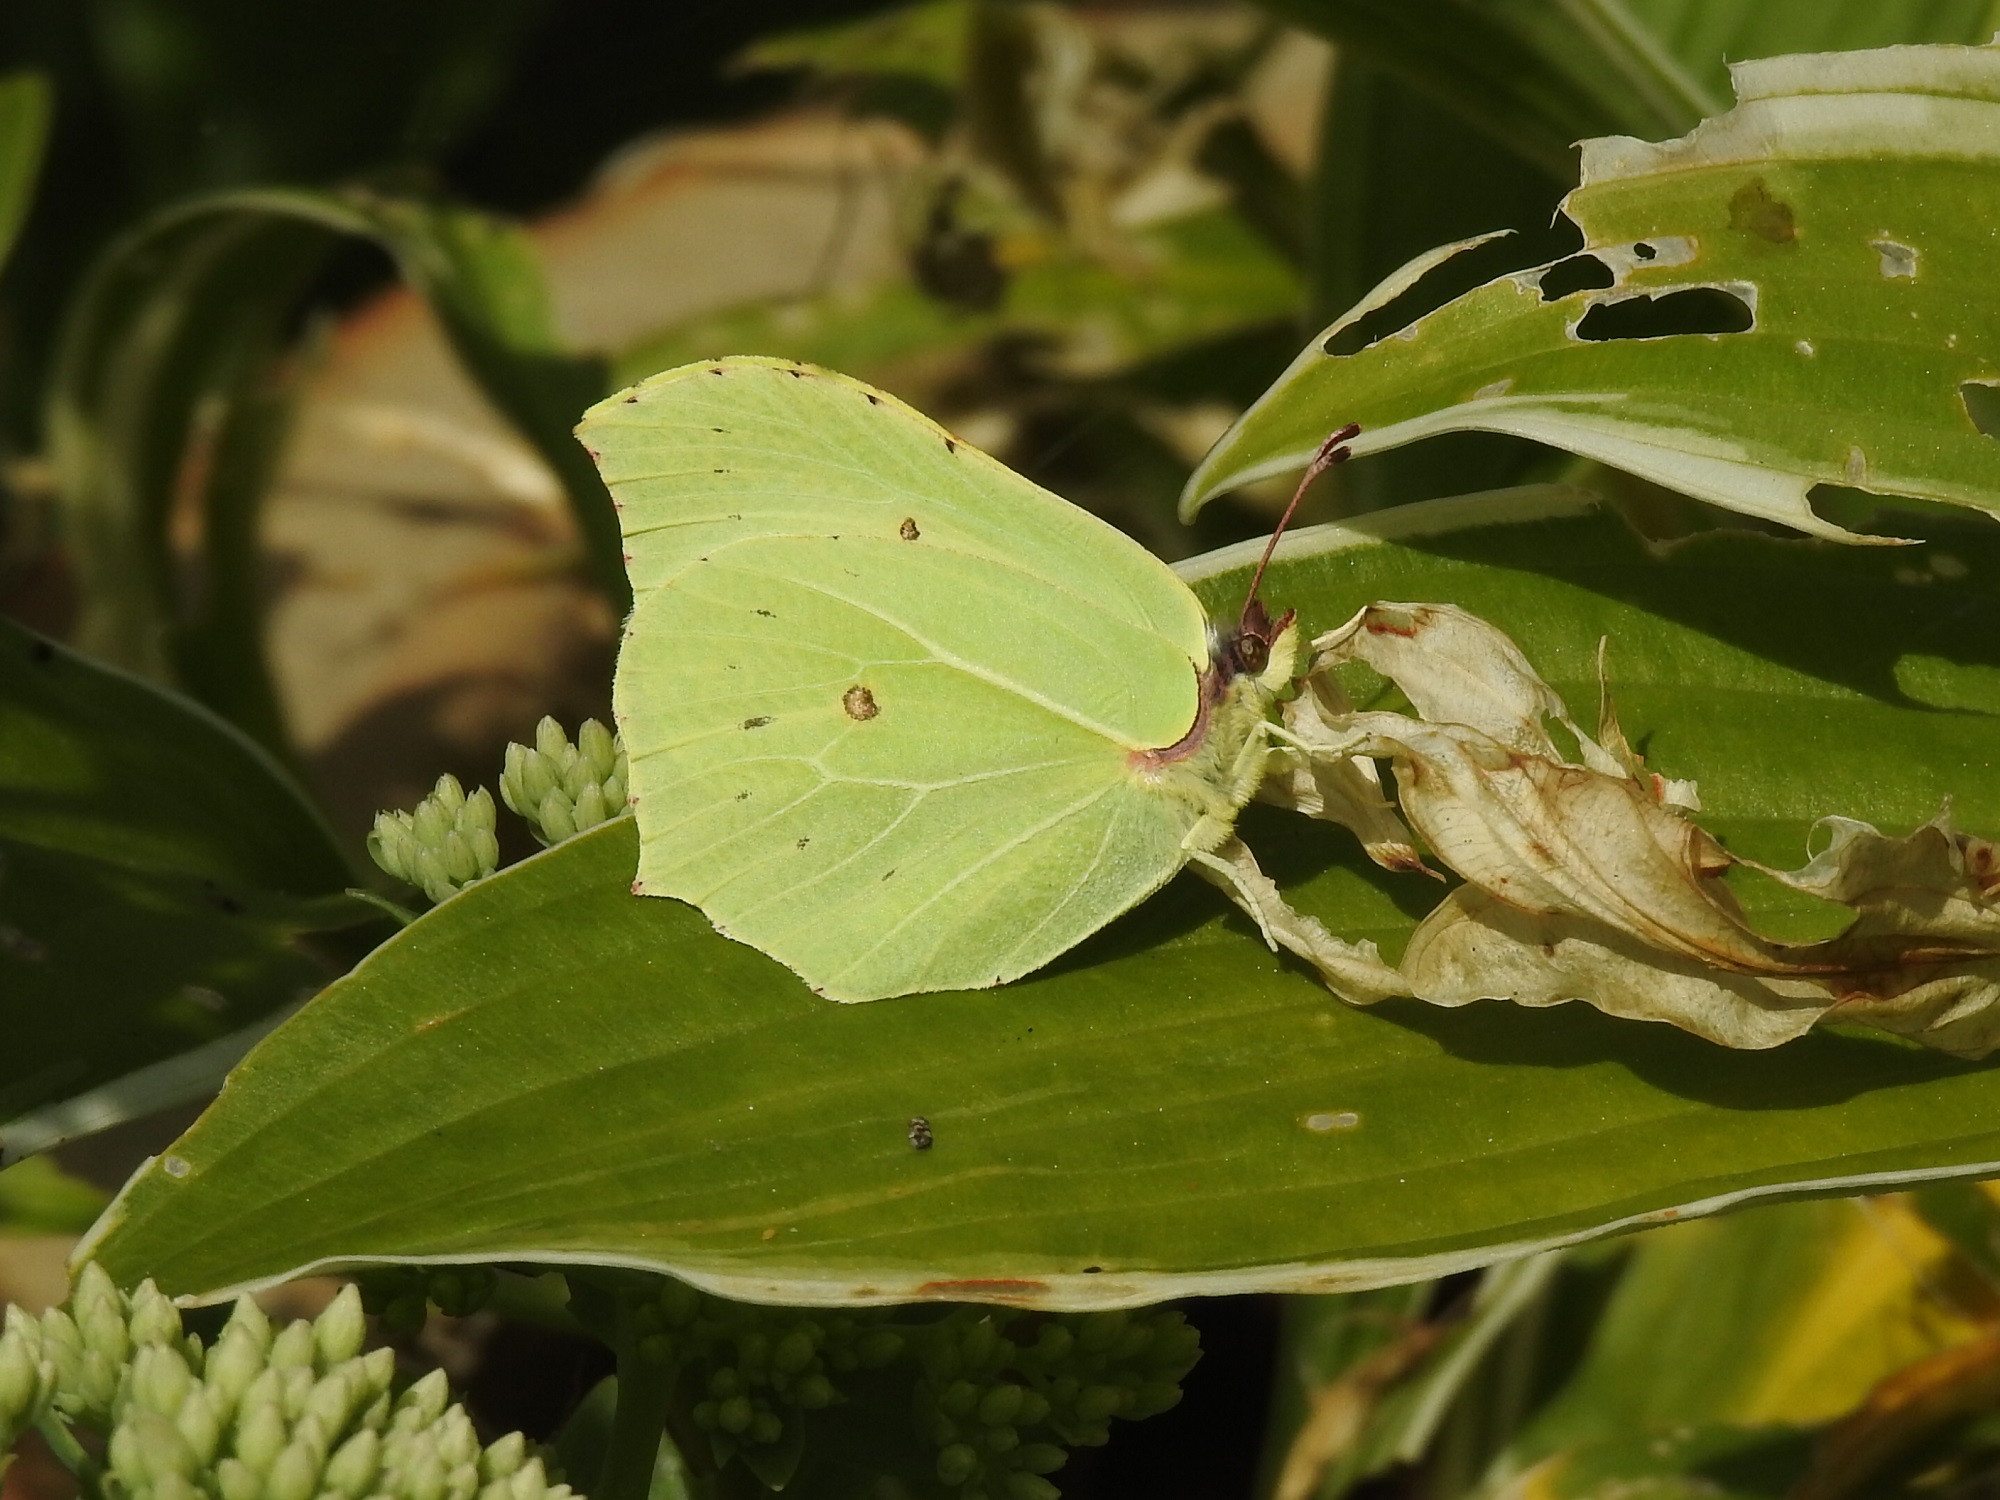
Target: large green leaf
{"points": [[156, 869], [1791, 296], [545, 1069]]}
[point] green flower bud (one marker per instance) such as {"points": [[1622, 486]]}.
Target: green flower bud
{"points": [[145, 1448], [248, 1320], [1100, 1331], [795, 1350], [93, 1386], [236, 1480], [1031, 1487], [1040, 1458], [1132, 1344], [1002, 1439], [95, 1294], [550, 741], [294, 1473], [1097, 1402], [1001, 1405], [1152, 1398], [423, 1403], [555, 819], [154, 1319], [424, 1478], [503, 1457], [1053, 1343], [456, 1441], [814, 1392], [21, 1383], [957, 1464], [599, 748], [446, 843], [959, 1399], [725, 1382], [462, 1483], [338, 1332], [104, 1332], [588, 809], [199, 1422], [293, 1348], [352, 1468], [160, 1380], [448, 796], [332, 1400], [766, 1427], [734, 1414], [174, 1487], [531, 1483], [678, 1302], [978, 1345], [260, 1434]]}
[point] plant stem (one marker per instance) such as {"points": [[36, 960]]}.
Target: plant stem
{"points": [[636, 1424], [71, 1455]]}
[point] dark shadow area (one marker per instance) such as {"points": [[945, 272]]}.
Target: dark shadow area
{"points": [[1210, 1448], [1696, 309], [1819, 1069]]}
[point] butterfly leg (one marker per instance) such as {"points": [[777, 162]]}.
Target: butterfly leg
{"points": [[1353, 971]]}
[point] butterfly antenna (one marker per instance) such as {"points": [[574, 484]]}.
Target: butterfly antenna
{"points": [[1329, 453]]}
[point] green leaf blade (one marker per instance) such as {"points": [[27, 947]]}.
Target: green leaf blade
{"points": [[1843, 314], [549, 1070]]}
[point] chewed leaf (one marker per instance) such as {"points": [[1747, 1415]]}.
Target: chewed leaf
{"points": [[1783, 298]]}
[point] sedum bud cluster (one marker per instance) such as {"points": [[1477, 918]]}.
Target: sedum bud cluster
{"points": [[1004, 1394], [444, 845], [562, 789], [997, 1397], [402, 1296], [752, 1372], [295, 1413]]}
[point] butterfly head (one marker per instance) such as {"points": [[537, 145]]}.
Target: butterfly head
{"points": [[1259, 646]]}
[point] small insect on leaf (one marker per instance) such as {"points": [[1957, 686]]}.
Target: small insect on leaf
{"points": [[1069, 730], [920, 1133]]}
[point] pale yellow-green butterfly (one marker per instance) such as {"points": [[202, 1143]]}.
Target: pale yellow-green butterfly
{"points": [[895, 715]]}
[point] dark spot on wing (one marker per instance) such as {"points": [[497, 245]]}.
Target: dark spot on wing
{"points": [[1092, 1270], [758, 722], [722, 471], [743, 796], [1644, 251], [920, 1133], [859, 703], [887, 873], [802, 843], [873, 399], [796, 373], [632, 400], [716, 370], [951, 445], [718, 429], [765, 613], [908, 530]]}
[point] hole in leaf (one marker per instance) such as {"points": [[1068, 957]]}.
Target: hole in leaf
{"points": [[1695, 309], [1644, 251], [1440, 284], [1982, 404], [1580, 273]]}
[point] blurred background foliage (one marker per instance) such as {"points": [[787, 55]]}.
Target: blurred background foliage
{"points": [[304, 296]]}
